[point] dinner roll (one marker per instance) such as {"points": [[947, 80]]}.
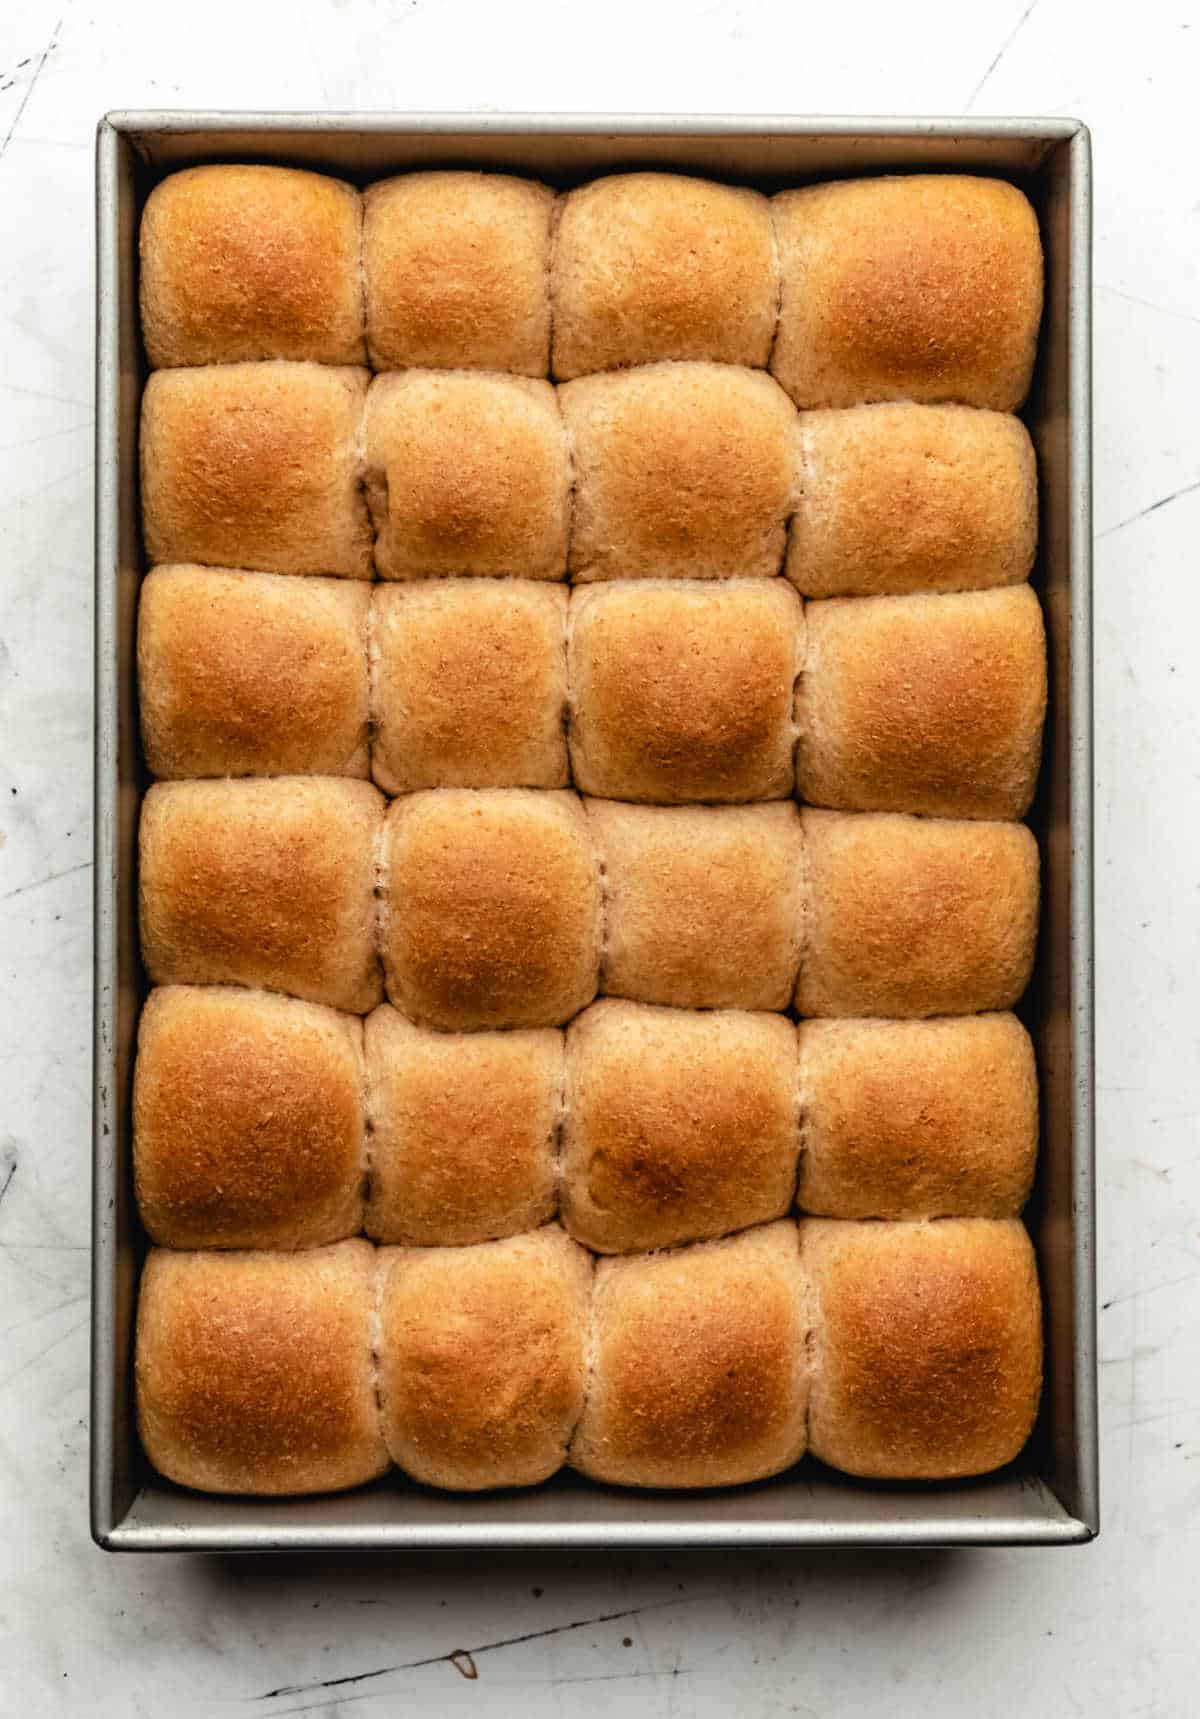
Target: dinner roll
{"points": [[917, 1119], [683, 691], [927, 1350], [703, 903], [266, 884], [681, 471], [679, 1126], [897, 498], [248, 1121], [928, 704], [482, 1358], [464, 1130], [254, 1370], [249, 674], [492, 908], [457, 272], [469, 684], [256, 466], [912, 287], [914, 916], [466, 474], [699, 1370], [243, 262], [656, 265]]}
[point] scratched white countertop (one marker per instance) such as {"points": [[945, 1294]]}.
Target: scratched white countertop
{"points": [[1111, 1629]]}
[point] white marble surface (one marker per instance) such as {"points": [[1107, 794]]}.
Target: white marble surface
{"points": [[1107, 1630]]}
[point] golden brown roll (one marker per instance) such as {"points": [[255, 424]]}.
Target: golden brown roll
{"points": [[482, 1358], [265, 884], [457, 272], [464, 1130], [248, 1120], [242, 262], [466, 474], [704, 904], [930, 704], [908, 917], [911, 287], [469, 684], [897, 498], [927, 1354], [917, 1119], [656, 265], [679, 1126], [249, 674], [256, 466], [683, 691], [682, 471], [254, 1370], [492, 908], [699, 1368]]}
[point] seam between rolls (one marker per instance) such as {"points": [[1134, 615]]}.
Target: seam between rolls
{"points": [[590, 1355], [572, 481], [559, 1125], [375, 1342], [777, 259], [556, 215], [381, 915]]}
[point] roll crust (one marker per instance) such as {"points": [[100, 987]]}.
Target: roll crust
{"points": [[917, 1119], [469, 684], [250, 674], [699, 1371], [908, 917], [264, 884], [682, 471], [922, 287], [464, 1130], [457, 272], [927, 1346], [254, 1370], [466, 473], [704, 903], [898, 498], [652, 266], [248, 1120], [482, 1358], [927, 704], [242, 262], [683, 691], [492, 909], [256, 466], [679, 1126]]}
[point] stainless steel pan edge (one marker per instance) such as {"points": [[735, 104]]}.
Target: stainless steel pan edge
{"points": [[1051, 1497]]}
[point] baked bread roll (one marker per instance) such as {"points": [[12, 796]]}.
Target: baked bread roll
{"points": [[265, 884], [492, 908], [917, 1119], [699, 1371], [469, 684], [898, 498], [682, 471], [704, 904], [679, 1126], [248, 1122], [927, 1346], [929, 704], [248, 674], [656, 265], [481, 1360], [466, 474], [683, 691], [457, 272], [241, 262], [464, 1132], [908, 917], [909, 287], [254, 1370], [256, 466]]}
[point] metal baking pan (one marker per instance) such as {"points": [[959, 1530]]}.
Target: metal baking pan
{"points": [[1048, 1497]]}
